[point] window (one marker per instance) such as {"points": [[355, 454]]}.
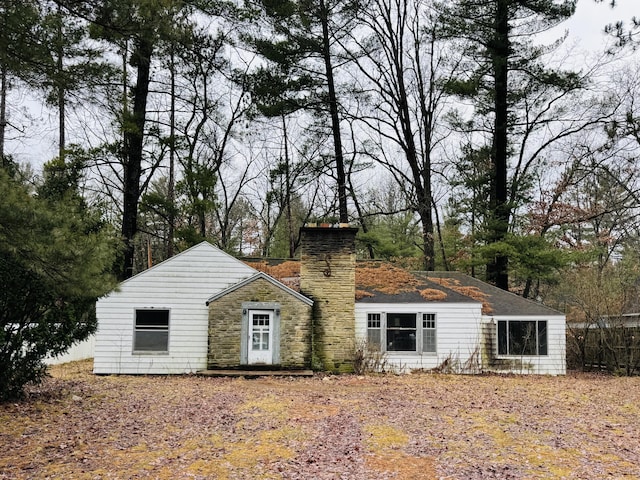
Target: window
{"points": [[429, 332], [373, 331], [151, 332], [401, 332], [260, 331], [528, 337]]}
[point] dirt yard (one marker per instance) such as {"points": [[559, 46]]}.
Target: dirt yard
{"points": [[416, 426]]}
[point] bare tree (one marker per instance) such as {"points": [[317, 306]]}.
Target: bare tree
{"points": [[402, 67]]}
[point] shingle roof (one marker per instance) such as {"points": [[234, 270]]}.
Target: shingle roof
{"points": [[424, 291], [383, 282], [500, 302]]}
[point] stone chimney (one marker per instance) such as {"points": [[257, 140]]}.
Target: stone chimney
{"points": [[327, 276]]}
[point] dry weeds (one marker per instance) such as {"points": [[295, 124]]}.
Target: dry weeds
{"points": [[405, 427]]}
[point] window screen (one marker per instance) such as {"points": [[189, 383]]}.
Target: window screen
{"points": [[151, 331], [373, 331]]}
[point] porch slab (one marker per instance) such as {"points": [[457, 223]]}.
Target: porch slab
{"points": [[255, 373]]}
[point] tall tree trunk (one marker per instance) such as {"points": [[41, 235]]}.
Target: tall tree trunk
{"points": [[499, 217], [420, 170], [61, 112], [171, 193], [133, 142], [427, 108], [335, 119], [3, 110], [59, 78], [363, 223], [428, 254], [61, 123], [426, 212], [443, 252], [288, 188]]}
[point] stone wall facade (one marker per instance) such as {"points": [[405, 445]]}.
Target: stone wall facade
{"points": [[226, 329], [327, 276]]}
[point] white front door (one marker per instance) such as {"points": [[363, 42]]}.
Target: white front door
{"points": [[260, 337]]}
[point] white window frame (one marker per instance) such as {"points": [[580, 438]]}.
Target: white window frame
{"points": [[380, 318], [374, 329], [160, 328], [429, 325]]}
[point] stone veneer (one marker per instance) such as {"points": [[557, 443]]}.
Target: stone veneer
{"points": [[225, 325], [327, 276]]}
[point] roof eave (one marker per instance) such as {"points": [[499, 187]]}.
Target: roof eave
{"points": [[264, 276]]}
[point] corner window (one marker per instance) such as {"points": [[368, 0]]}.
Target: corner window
{"points": [[151, 333], [518, 337]]}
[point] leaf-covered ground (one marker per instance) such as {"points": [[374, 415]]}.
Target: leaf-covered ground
{"points": [[422, 426]]}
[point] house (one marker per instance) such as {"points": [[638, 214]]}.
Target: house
{"points": [[157, 321], [204, 309], [516, 335]]}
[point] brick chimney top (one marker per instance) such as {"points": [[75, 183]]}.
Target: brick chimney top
{"points": [[326, 225]]}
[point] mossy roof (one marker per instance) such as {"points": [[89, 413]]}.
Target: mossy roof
{"points": [[384, 282], [495, 300]]}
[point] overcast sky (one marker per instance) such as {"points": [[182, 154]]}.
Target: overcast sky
{"points": [[587, 25]]}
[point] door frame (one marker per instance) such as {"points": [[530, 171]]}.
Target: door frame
{"points": [[274, 309], [260, 356]]}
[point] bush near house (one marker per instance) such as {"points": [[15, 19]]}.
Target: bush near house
{"points": [[55, 258]]}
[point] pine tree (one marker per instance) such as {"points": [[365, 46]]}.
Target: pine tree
{"points": [[19, 49], [506, 68], [55, 259], [301, 67], [70, 66], [137, 29]]}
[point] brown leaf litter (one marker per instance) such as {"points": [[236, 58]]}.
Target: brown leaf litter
{"points": [[417, 426]]}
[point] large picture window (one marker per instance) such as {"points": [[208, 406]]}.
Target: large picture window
{"points": [[151, 332], [402, 332], [522, 337]]}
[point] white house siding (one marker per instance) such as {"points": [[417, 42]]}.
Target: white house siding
{"points": [[182, 285], [79, 351], [457, 334], [554, 363]]}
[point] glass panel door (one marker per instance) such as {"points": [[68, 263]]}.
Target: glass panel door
{"points": [[260, 337]]}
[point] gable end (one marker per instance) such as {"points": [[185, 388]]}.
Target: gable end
{"points": [[263, 276]]}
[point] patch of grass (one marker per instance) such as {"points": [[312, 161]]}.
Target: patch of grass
{"points": [[385, 437], [386, 455], [382, 426], [262, 406]]}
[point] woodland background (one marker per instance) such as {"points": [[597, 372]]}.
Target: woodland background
{"points": [[463, 135]]}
